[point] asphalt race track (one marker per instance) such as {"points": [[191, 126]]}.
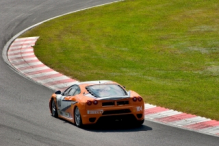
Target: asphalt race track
{"points": [[24, 114]]}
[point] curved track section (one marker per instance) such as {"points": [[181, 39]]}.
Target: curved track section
{"points": [[25, 118], [21, 57]]}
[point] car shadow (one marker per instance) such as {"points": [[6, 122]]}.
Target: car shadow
{"points": [[112, 127], [116, 127]]}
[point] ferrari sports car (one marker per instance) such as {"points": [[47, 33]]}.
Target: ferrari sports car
{"points": [[90, 102]]}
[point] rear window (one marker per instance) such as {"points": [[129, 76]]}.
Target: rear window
{"points": [[106, 90]]}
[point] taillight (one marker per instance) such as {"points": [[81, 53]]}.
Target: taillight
{"points": [[139, 98], [95, 102], [89, 102], [134, 99]]}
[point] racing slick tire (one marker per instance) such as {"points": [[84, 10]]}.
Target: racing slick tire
{"points": [[77, 117], [54, 109]]}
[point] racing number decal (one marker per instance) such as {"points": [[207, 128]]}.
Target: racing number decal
{"points": [[139, 108]]}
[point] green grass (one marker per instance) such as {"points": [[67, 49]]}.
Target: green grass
{"points": [[167, 51]]}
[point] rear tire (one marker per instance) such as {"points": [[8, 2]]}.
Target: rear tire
{"points": [[77, 117], [54, 109]]}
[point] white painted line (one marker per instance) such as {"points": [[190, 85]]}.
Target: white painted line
{"points": [[28, 64], [14, 56], [26, 46], [26, 49], [29, 59], [35, 69], [147, 106], [162, 114], [14, 51], [27, 54], [26, 39], [20, 39], [12, 48], [21, 61], [35, 63], [190, 121], [53, 79], [212, 130], [21, 55], [56, 87], [69, 84], [15, 43], [43, 74], [16, 60]]}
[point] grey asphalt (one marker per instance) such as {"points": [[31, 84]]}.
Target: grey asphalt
{"points": [[24, 114]]}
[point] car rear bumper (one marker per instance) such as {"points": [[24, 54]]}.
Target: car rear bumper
{"points": [[115, 114]]}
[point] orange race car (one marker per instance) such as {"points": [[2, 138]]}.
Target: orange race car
{"points": [[90, 102]]}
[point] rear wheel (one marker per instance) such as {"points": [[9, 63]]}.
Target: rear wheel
{"points": [[77, 116], [54, 109]]}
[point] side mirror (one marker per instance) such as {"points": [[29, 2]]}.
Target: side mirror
{"points": [[58, 92]]}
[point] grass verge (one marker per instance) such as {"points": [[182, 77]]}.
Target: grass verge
{"points": [[167, 51]]}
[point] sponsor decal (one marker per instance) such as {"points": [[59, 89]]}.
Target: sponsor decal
{"points": [[139, 108], [94, 111]]}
